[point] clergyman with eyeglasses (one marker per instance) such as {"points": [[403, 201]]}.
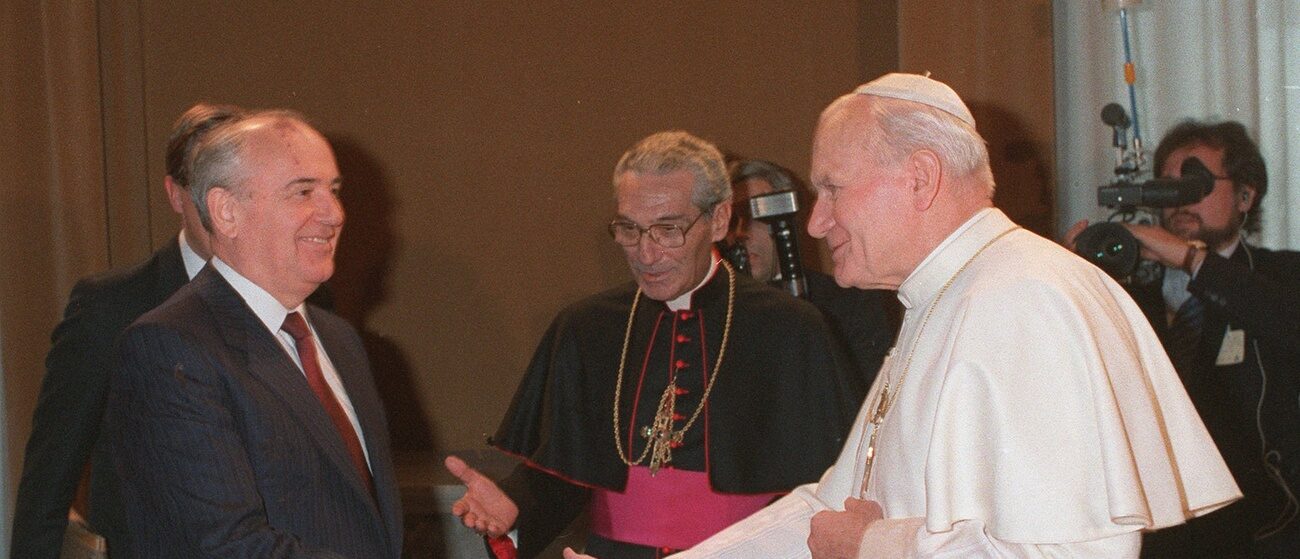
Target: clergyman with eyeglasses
{"points": [[674, 405]]}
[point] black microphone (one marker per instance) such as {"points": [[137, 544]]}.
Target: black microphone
{"points": [[1113, 115]]}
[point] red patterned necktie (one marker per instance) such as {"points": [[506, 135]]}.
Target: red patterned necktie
{"points": [[297, 327]]}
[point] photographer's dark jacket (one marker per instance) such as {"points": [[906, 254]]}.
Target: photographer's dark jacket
{"points": [[776, 417], [1257, 291]]}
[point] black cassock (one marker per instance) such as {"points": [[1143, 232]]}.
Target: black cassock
{"points": [[776, 418]]}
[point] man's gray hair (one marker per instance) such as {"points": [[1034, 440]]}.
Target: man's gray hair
{"points": [[905, 127], [666, 152], [218, 160]]}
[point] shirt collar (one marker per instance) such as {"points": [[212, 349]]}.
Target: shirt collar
{"points": [[268, 310], [939, 266], [193, 262], [684, 301], [1231, 248]]}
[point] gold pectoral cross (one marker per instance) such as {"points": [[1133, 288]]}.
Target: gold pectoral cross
{"points": [[882, 407], [877, 418], [661, 433]]}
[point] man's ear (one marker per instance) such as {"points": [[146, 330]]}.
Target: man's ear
{"points": [[224, 210], [1245, 198], [720, 221], [176, 194], [925, 173]]}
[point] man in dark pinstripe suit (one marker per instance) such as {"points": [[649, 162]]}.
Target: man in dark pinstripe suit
{"points": [[245, 421]]}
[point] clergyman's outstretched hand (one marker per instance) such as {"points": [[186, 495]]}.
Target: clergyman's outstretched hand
{"points": [[484, 508]]}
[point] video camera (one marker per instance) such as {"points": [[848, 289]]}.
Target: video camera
{"points": [[1109, 245], [778, 210]]}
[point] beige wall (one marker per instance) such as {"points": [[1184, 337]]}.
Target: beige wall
{"points": [[997, 54], [476, 140]]}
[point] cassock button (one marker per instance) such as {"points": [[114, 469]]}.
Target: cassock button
{"points": [[665, 551], [678, 416], [681, 339], [682, 391], [680, 364], [675, 444], [685, 315]]}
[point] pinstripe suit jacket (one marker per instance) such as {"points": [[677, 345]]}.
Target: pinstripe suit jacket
{"points": [[223, 449]]}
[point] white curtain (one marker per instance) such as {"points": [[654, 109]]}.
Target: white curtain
{"points": [[1203, 59]]}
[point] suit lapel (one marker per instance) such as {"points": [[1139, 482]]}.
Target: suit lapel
{"points": [[353, 369], [266, 360]]}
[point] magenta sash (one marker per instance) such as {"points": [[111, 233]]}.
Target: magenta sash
{"points": [[676, 509]]}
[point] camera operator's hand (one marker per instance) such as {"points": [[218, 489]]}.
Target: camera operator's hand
{"points": [[1160, 245], [1073, 233]]}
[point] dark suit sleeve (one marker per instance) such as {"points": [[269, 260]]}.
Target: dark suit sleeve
{"points": [[65, 426], [1263, 303], [187, 481]]}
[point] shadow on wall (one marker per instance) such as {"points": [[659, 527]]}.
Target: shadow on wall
{"points": [[359, 287], [1021, 170]]}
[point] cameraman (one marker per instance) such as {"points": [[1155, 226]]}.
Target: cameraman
{"points": [[1229, 316], [865, 321]]}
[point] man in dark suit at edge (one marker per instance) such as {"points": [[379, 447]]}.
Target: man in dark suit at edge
{"points": [[66, 422], [245, 423]]}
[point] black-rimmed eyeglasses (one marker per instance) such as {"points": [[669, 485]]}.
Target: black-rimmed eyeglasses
{"points": [[667, 235]]}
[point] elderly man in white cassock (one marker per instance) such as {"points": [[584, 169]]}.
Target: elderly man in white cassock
{"points": [[1027, 410]]}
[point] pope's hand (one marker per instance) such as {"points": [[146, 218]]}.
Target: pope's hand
{"points": [[569, 553], [838, 534], [484, 508]]}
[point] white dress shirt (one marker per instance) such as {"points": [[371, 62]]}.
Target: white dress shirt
{"points": [[193, 262], [271, 313]]}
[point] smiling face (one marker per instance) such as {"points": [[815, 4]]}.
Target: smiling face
{"points": [[665, 273], [283, 222], [863, 209], [1215, 219]]}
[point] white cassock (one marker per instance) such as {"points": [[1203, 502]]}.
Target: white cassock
{"points": [[1040, 417]]}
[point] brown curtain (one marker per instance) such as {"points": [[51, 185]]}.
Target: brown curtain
{"points": [[59, 154]]}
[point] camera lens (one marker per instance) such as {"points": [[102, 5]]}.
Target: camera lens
{"points": [[1110, 247]]}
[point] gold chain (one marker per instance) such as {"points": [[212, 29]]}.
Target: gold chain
{"points": [[668, 400], [885, 402]]}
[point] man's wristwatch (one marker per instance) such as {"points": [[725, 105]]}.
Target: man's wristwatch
{"points": [[1193, 247]]}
